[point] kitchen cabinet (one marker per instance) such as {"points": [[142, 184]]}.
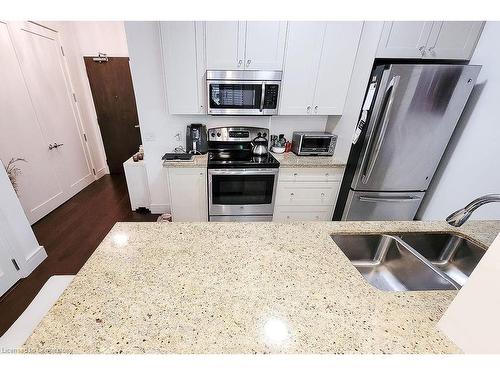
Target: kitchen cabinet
{"points": [[318, 64], [184, 66], [429, 40], [239, 45], [188, 193], [307, 194]]}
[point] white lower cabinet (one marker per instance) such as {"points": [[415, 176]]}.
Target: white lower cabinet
{"points": [[137, 183], [307, 194], [188, 193]]}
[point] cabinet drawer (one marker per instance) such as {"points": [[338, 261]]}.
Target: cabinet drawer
{"points": [[302, 213], [311, 174], [304, 193]]}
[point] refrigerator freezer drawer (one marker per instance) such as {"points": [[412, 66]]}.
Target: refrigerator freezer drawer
{"points": [[382, 206]]}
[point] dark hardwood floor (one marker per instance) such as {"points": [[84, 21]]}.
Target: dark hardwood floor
{"points": [[70, 234]]}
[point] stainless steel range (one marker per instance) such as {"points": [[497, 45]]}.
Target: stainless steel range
{"points": [[241, 185]]}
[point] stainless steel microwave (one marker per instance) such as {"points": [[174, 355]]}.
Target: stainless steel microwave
{"points": [[243, 92], [313, 143]]}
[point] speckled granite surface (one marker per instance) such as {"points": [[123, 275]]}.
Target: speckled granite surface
{"points": [[241, 288], [199, 161], [290, 160]]}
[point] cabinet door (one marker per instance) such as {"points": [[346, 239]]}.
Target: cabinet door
{"points": [[302, 55], [188, 194], [225, 44], [8, 272], [404, 39], [44, 70], [340, 46], [181, 47], [265, 45], [453, 39], [39, 189], [302, 213]]}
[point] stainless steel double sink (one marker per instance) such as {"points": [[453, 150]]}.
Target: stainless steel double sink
{"points": [[412, 261]]}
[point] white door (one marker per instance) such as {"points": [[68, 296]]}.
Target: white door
{"points": [[453, 39], [300, 68], [39, 189], [225, 44], [404, 39], [9, 274], [180, 60], [265, 45], [188, 194], [43, 67], [340, 46]]}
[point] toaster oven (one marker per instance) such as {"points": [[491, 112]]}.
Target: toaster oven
{"points": [[314, 143]]}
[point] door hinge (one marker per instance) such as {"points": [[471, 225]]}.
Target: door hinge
{"points": [[93, 171], [16, 266], [85, 137], [62, 51], [74, 97]]}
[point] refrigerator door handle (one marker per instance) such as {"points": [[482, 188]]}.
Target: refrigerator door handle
{"points": [[394, 200], [386, 112]]}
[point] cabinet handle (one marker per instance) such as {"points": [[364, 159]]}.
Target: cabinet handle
{"points": [[308, 108], [316, 108], [295, 174], [431, 51], [322, 194], [240, 62], [292, 194], [249, 62], [422, 50]]}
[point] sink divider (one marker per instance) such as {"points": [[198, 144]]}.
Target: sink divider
{"points": [[420, 257]]}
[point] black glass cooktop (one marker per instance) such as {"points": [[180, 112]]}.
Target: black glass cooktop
{"points": [[240, 159]]}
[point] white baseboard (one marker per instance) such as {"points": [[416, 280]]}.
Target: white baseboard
{"points": [[159, 208], [33, 261], [101, 172]]}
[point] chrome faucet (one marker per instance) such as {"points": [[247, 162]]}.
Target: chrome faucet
{"points": [[460, 216]]}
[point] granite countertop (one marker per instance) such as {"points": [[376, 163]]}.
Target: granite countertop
{"points": [[199, 161], [290, 160], [241, 288]]}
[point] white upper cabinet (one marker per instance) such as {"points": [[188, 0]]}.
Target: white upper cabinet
{"points": [[225, 45], [264, 45], [340, 46], [404, 39], [429, 40], [238, 45], [300, 68], [319, 59], [184, 66], [453, 39]]}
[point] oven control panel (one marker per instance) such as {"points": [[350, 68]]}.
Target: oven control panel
{"points": [[236, 134]]}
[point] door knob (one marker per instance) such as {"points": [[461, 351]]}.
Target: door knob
{"points": [[55, 145]]}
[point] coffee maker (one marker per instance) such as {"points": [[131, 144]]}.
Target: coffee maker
{"points": [[196, 139]]}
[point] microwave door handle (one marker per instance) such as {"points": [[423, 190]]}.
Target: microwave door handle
{"points": [[386, 112], [262, 95]]}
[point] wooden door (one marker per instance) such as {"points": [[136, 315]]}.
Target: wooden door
{"points": [[302, 56], [265, 45], [225, 44], [340, 46], [453, 39], [39, 189], [114, 101], [404, 39]]}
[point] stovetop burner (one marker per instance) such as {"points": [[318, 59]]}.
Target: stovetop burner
{"points": [[240, 159]]}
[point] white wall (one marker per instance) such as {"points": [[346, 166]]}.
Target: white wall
{"points": [[88, 38], [159, 129], [470, 166], [15, 231]]}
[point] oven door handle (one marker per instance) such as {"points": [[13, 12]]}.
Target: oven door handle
{"points": [[262, 96], [236, 172]]}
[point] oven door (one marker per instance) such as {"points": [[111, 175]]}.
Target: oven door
{"points": [[241, 191], [242, 97]]}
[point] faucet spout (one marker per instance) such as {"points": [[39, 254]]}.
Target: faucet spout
{"points": [[460, 216]]}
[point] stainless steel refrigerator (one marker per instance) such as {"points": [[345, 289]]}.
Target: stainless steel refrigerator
{"points": [[407, 119]]}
